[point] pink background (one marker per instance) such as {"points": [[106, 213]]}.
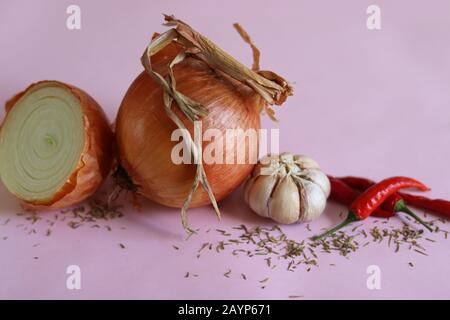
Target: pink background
{"points": [[372, 103]]}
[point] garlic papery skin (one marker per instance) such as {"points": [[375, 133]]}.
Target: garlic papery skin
{"points": [[287, 188]]}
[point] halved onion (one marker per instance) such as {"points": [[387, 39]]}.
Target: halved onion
{"points": [[56, 146]]}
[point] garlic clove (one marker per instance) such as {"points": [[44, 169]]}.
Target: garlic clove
{"points": [[315, 201], [265, 169], [259, 194], [284, 204], [319, 178], [305, 162]]}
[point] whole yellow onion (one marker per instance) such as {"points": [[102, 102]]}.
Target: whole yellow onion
{"points": [[144, 132], [144, 129]]}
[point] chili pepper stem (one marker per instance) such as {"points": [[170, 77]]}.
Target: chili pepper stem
{"points": [[402, 207], [351, 217]]}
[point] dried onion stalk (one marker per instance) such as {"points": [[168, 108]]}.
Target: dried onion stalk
{"points": [[190, 83], [55, 146]]}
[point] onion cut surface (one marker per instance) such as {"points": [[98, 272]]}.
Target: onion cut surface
{"points": [[55, 145]]}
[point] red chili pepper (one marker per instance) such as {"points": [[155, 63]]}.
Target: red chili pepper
{"points": [[439, 206], [344, 194], [358, 183], [364, 205], [395, 203]]}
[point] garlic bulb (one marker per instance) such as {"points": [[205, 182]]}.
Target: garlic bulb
{"points": [[287, 188]]}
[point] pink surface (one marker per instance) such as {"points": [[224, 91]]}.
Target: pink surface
{"points": [[372, 103]]}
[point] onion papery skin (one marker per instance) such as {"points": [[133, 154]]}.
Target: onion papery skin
{"points": [[143, 131], [92, 160]]}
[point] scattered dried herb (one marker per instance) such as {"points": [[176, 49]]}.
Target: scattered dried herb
{"points": [[90, 214], [421, 252], [223, 232], [206, 244], [271, 243]]}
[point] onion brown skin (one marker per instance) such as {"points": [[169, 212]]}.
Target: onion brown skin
{"points": [[97, 156], [143, 131]]}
